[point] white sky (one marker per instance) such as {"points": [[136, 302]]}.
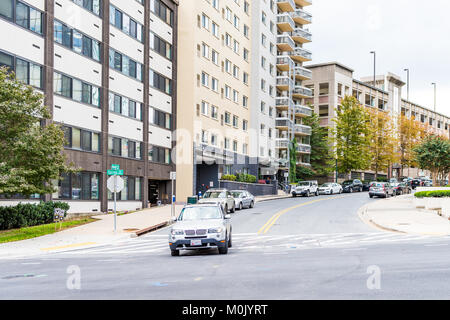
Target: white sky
{"points": [[404, 33]]}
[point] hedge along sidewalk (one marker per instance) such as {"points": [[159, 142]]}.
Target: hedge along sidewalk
{"points": [[400, 214], [93, 234]]}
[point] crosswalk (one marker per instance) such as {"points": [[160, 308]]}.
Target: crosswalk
{"points": [[152, 244]]}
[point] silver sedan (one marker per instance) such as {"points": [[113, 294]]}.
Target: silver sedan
{"points": [[243, 199]]}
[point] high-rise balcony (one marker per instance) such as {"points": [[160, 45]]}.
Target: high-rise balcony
{"points": [[282, 143], [286, 5], [302, 73], [299, 54], [285, 63], [300, 92], [285, 43], [303, 111], [284, 124], [285, 22], [301, 130], [303, 164], [303, 3], [304, 149], [284, 103], [301, 35], [284, 83], [301, 17]]}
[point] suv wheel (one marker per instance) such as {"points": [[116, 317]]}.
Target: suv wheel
{"points": [[174, 253], [226, 209], [317, 193], [351, 190], [307, 194], [252, 205], [224, 249], [240, 206], [234, 209], [230, 242]]}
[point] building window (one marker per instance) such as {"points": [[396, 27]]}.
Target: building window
{"points": [[24, 16], [79, 139], [131, 190], [324, 89], [122, 147], [76, 89], [159, 155], [78, 186]]}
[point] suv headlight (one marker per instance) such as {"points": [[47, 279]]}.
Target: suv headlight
{"points": [[215, 230], [175, 232]]}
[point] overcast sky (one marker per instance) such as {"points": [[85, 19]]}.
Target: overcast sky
{"points": [[404, 33]]}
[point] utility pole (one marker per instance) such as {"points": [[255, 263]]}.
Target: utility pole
{"points": [[435, 115], [407, 84], [374, 67]]}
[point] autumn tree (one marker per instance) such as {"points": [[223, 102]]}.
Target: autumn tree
{"points": [[383, 141], [31, 153], [351, 136]]}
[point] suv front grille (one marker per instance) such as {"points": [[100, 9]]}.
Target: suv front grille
{"points": [[199, 232]]}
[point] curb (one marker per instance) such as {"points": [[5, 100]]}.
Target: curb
{"points": [[149, 229], [272, 199], [361, 214]]}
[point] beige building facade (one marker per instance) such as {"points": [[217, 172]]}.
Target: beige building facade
{"points": [[213, 136]]}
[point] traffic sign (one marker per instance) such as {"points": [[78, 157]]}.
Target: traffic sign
{"points": [[115, 172], [115, 184], [115, 167], [173, 176]]}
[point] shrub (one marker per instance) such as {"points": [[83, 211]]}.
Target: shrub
{"points": [[433, 194], [29, 215], [247, 178], [229, 177]]}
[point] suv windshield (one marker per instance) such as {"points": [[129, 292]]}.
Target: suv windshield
{"points": [[346, 183], [303, 184], [200, 213], [326, 185], [214, 195]]}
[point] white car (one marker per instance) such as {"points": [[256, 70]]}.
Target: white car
{"points": [[330, 188], [219, 196], [306, 189], [201, 227]]}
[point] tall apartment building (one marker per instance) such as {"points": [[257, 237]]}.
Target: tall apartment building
{"points": [[331, 82], [263, 81], [214, 93], [107, 69], [292, 20]]}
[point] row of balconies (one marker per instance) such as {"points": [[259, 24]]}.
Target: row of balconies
{"points": [[291, 5], [284, 144], [285, 63], [285, 124]]}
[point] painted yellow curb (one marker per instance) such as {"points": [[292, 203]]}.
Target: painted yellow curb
{"points": [[70, 246]]}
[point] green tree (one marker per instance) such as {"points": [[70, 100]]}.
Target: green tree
{"points": [[322, 160], [434, 155], [31, 154], [351, 136]]}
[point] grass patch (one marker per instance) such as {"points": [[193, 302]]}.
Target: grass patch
{"points": [[39, 231]]}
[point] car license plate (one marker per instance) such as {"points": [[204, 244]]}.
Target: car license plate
{"points": [[196, 243]]}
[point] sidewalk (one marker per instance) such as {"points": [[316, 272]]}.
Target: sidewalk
{"points": [[399, 214], [281, 195], [90, 235]]}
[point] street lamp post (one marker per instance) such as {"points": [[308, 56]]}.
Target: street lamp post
{"points": [[435, 115], [407, 84], [374, 67]]}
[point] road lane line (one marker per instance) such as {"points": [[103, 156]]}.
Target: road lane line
{"points": [[70, 246], [269, 224]]}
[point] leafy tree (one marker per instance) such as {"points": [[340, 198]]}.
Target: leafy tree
{"points": [[322, 161], [351, 136], [383, 141], [304, 173], [434, 155], [31, 153], [411, 133]]}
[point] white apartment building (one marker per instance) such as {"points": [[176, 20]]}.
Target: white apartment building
{"points": [[107, 69]]}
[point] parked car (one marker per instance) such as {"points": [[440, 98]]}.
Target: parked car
{"points": [[243, 199], [415, 183], [219, 196], [306, 189], [381, 189], [330, 188], [366, 185], [401, 188], [201, 227], [351, 186]]}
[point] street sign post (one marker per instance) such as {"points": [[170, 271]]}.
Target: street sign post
{"points": [[173, 177], [115, 184]]}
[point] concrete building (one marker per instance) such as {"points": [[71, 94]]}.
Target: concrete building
{"points": [[213, 127], [107, 69], [292, 36], [331, 82]]}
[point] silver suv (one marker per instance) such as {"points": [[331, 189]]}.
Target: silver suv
{"points": [[306, 189], [201, 227], [219, 196]]}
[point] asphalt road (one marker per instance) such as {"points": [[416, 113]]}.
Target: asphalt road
{"points": [[302, 248]]}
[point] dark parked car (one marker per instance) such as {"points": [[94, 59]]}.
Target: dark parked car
{"points": [[351, 186], [381, 189], [415, 183], [366, 185], [401, 188]]}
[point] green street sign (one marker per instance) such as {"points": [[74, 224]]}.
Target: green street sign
{"points": [[115, 172], [115, 167]]}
